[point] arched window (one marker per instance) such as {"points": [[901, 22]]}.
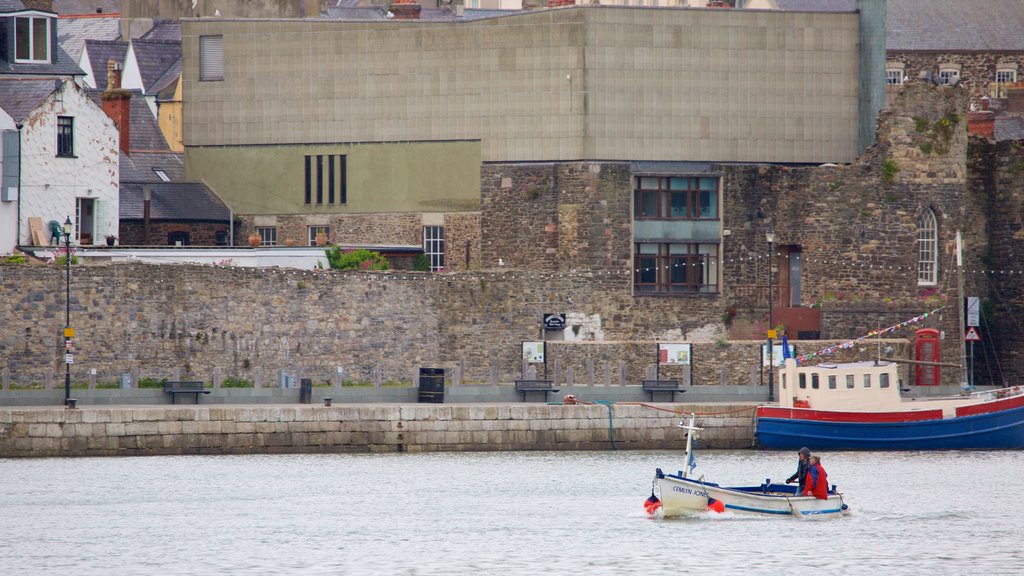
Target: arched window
{"points": [[927, 249]]}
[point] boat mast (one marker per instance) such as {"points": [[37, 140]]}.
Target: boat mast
{"points": [[964, 382], [691, 431]]}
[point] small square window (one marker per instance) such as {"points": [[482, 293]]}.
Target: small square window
{"points": [[894, 77]]}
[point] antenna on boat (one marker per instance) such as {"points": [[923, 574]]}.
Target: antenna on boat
{"points": [[965, 383], [691, 432]]}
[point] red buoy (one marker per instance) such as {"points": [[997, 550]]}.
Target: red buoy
{"points": [[715, 505], [652, 504]]}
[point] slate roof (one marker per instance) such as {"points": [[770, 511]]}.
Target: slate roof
{"points": [[72, 33], [20, 96], [87, 6], [164, 31], [11, 5], [65, 66], [102, 51], [955, 25], [165, 85], [818, 5], [139, 166], [154, 57], [173, 201], [427, 14], [145, 134], [1009, 127]]}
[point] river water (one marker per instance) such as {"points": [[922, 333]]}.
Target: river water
{"points": [[499, 513]]}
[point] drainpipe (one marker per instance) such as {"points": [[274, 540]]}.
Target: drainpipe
{"points": [[17, 240], [145, 214]]}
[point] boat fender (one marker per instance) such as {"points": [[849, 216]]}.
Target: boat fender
{"points": [[652, 504], [716, 505]]}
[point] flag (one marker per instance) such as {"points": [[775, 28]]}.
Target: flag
{"points": [[785, 349], [692, 463]]}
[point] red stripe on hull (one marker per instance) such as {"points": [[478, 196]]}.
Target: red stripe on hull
{"points": [[830, 416], [987, 407]]}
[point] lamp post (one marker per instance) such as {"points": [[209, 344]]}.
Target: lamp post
{"points": [[68, 332], [770, 236]]}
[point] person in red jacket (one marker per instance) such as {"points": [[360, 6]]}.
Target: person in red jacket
{"points": [[817, 480]]}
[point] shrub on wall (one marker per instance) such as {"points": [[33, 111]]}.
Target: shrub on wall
{"points": [[361, 259]]}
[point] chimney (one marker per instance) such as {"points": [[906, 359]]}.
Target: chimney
{"points": [[405, 10], [117, 103], [1015, 97], [981, 123]]}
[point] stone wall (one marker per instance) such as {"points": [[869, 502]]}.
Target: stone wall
{"points": [[131, 233], [977, 69], [287, 429]]}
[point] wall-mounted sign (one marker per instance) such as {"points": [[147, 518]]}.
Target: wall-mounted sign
{"points": [[674, 354], [973, 311], [554, 321], [777, 356], [533, 352]]}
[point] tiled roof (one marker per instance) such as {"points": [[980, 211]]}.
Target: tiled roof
{"points": [[955, 25], [165, 85], [154, 57], [102, 51], [145, 134], [817, 5], [173, 201], [140, 165], [1009, 127], [65, 66], [19, 97], [86, 6], [164, 31], [72, 33], [11, 5]]}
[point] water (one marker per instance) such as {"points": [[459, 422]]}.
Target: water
{"points": [[498, 513]]}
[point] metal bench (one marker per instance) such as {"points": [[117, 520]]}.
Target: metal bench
{"points": [[544, 386], [175, 388], [652, 386]]}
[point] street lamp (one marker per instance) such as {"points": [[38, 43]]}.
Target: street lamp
{"points": [[770, 236], [68, 332]]}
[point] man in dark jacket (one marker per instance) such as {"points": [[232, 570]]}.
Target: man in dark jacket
{"points": [[804, 455]]}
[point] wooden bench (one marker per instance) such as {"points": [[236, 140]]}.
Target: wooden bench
{"points": [[652, 386], [175, 388], [544, 386]]}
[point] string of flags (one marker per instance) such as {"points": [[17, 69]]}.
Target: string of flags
{"points": [[851, 343]]}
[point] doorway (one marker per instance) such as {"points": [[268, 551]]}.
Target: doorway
{"points": [[85, 220], [789, 276]]}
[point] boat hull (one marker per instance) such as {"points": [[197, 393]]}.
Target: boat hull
{"points": [[792, 428], [683, 497]]}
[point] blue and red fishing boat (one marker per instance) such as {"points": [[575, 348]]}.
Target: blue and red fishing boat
{"points": [[859, 406]]}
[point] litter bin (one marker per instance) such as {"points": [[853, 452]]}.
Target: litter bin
{"points": [[306, 391], [431, 385]]}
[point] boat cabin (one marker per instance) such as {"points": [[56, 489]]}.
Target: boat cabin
{"points": [[850, 387]]}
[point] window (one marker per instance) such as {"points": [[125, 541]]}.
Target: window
{"points": [[867, 380], [814, 381], [65, 136], [949, 76], [676, 268], [894, 76], [332, 178], [831, 382], [783, 375], [211, 58], [883, 380], [927, 249], [268, 235], [676, 198], [803, 380], [161, 174], [32, 39], [849, 380], [314, 231], [1004, 76], [433, 246]]}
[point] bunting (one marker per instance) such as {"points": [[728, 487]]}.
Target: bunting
{"points": [[851, 343]]}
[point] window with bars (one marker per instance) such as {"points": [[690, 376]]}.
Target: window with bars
{"points": [[894, 76], [32, 39], [211, 58], [326, 177], [66, 136], [433, 246], [675, 198], [268, 235], [927, 249], [676, 268]]}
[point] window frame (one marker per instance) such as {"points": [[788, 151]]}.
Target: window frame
{"points": [[666, 192], [65, 137], [434, 247], [947, 76], [1001, 84], [697, 267], [209, 46], [32, 18], [313, 230], [889, 77], [268, 235], [927, 249]]}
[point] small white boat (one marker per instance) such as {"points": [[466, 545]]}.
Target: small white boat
{"points": [[681, 495]]}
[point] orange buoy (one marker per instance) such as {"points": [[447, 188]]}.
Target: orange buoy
{"points": [[652, 504], [715, 505]]}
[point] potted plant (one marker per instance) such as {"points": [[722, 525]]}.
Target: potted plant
{"points": [[289, 242], [255, 240], [110, 239], [321, 239]]}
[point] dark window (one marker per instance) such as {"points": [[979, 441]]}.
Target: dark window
{"points": [[319, 180], [675, 198], [849, 380], [883, 380], [178, 238], [803, 380], [65, 136], [344, 181], [309, 180], [32, 39], [676, 268], [330, 179], [814, 380], [831, 382]]}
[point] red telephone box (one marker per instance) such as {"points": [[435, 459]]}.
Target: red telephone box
{"points": [[927, 349]]}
